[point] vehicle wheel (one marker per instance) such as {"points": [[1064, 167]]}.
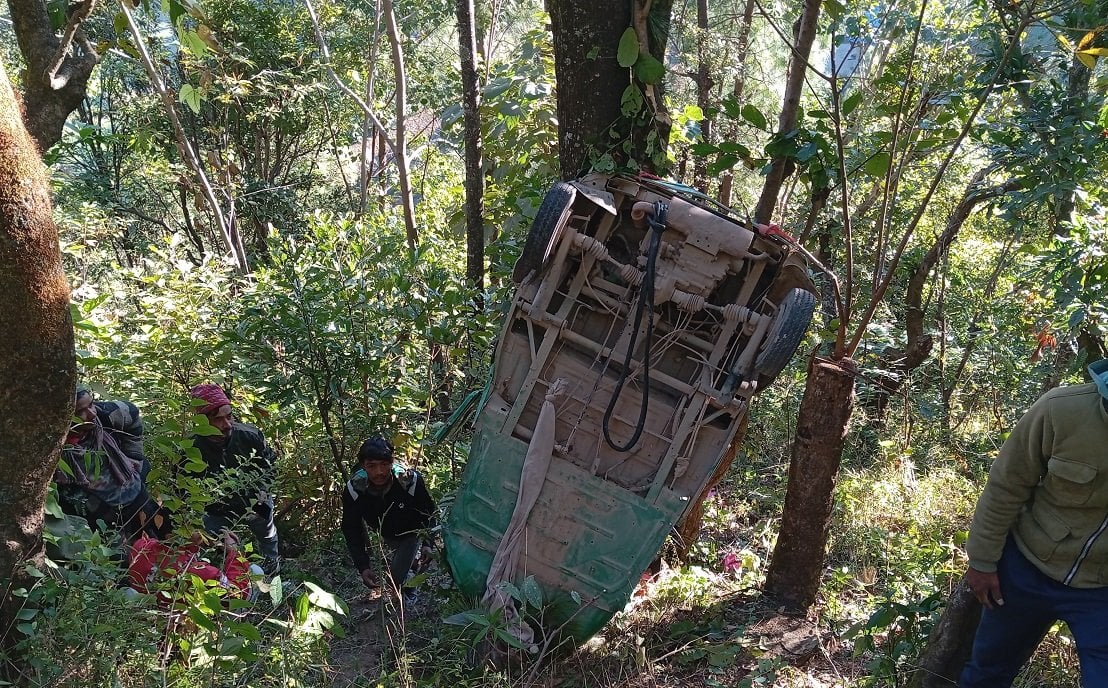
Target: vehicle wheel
{"points": [[784, 335], [540, 240]]}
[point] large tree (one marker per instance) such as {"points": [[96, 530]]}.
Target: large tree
{"points": [[58, 67], [595, 68], [36, 353]]}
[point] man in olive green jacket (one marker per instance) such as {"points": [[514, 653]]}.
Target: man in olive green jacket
{"points": [[1038, 546]]}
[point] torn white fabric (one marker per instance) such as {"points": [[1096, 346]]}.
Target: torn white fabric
{"points": [[506, 560]]}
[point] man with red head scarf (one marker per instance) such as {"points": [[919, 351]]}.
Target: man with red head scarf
{"points": [[243, 468]]}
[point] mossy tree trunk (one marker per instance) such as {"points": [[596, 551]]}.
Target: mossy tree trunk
{"points": [[36, 351]]}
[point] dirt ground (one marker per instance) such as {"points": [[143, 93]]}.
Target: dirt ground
{"points": [[770, 641]]}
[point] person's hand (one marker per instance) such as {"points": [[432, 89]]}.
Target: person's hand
{"points": [[370, 578], [426, 556], [230, 540], [985, 587]]}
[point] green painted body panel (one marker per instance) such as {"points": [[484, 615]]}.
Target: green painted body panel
{"points": [[585, 534]]}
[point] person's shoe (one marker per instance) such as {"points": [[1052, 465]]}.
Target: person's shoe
{"points": [[271, 565]]}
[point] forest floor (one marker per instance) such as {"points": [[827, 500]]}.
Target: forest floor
{"points": [[732, 640]]}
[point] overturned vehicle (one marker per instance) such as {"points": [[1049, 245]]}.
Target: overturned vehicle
{"points": [[645, 319]]}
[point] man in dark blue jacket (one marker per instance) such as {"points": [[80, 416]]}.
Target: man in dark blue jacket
{"points": [[391, 501]]}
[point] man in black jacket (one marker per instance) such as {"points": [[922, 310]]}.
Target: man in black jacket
{"points": [[245, 469], [391, 501]]}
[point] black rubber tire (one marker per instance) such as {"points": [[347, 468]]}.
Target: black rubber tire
{"points": [[540, 239], [785, 332]]}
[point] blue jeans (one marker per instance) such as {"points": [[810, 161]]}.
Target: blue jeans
{"points": [[1008, 635], [263, 527]]}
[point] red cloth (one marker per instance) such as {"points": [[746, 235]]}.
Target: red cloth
{"points": [[151, 557], [212, 394]]}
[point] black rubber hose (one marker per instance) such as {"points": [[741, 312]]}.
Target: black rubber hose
{"points": [[645, 302]]}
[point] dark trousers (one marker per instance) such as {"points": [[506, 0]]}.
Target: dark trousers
{"points": [[1008, 635], [404, 551]]}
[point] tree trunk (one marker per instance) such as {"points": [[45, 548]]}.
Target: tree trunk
{"points": [[786, 122], [950, 642], [36, 398], [224, 218], [474, 183], [743, 50], [797, 563], [58, 69], [703, 93], [897, 363], [403, 167], [591, 83]]}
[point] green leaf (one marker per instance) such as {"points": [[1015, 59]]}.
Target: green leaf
{"points": [[302, 609], [631, 101], [754, 116], [323, 599], [724, 162], [649, 70], [833, 9], [276, 590], [852, 101], [466, 618], [628, 52], [192, 43], [510, 588], [694, 112], [532, 592], [190, 97], [510, 639], [878, 165], [201, 619], [497, 86], [57, 12], [724, 656], [176, 11]]}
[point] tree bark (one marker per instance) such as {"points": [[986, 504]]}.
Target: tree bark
{"points": [[918, 343], [704, 85], [36, 354], [950, 642], [403, 166], [797, 563], [786, 122], [591, 83], [475, 179], [58, 68]]}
